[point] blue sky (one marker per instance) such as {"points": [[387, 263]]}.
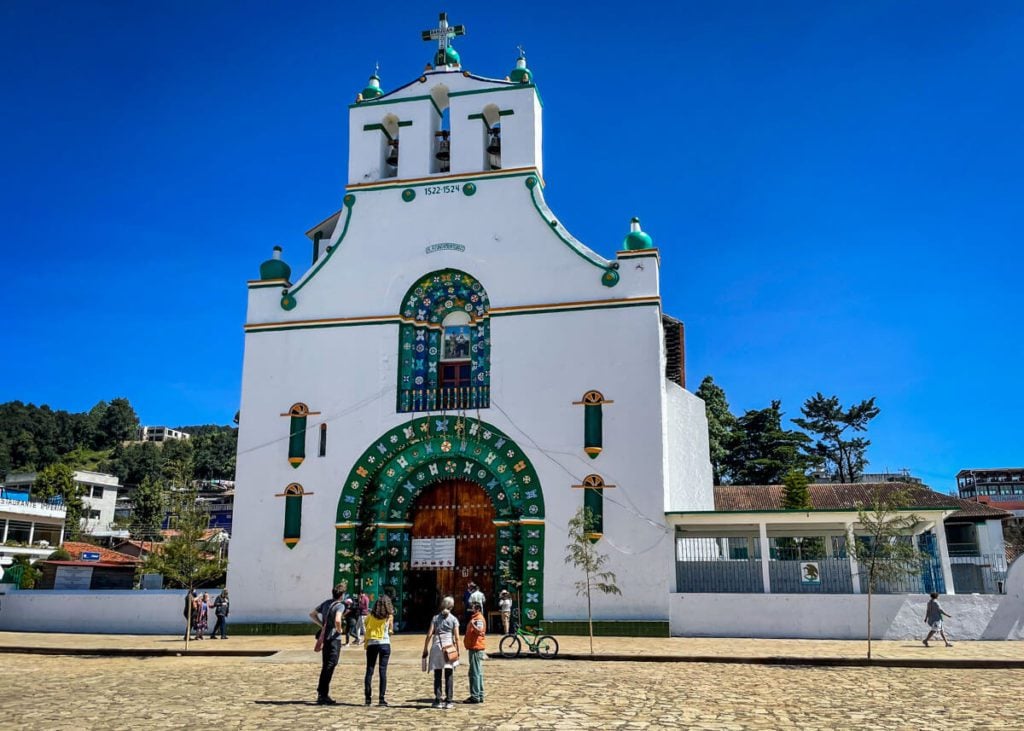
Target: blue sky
{"points": [[836, 189]]}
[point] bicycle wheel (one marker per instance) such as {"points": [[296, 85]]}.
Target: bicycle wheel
{"points": [[510, 646], [547, 646]]}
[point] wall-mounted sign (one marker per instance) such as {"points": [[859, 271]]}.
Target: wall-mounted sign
{"points": [[447, 246], [810, 572], [90, 556], [75, 578], [432, 553]]}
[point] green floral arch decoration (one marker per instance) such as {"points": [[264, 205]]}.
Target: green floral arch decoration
{"points": [[424, 307], [382, 486]]}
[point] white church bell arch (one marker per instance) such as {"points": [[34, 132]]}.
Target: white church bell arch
{"points": [[373, 538]]}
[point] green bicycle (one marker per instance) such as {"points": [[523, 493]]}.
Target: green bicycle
{"points": [[542, 645]]}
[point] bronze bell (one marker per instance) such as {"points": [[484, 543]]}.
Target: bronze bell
{"points": [[392, 158], [494, 141], [443, 146]]}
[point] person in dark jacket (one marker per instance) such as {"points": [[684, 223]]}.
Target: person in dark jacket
{"points": [[221, 606]]}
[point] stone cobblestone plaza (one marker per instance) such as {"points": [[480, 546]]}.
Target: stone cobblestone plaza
{"points": [[277, 691]]}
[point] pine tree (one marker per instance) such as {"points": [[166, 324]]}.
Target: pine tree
{"points": [[829, 422], [721, 424], [795, 495]]}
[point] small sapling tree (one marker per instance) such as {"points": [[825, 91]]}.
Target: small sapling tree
{"points": [[884, 547], [583, 554]]}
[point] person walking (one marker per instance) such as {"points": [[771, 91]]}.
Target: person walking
{"points": [[440, 650], [505, 607], [379, 625], [476, 635], [202, 616], [933, 615], [220, 608], [327, 615]]}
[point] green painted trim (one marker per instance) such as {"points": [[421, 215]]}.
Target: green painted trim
{"points": [[607, 628], [517, 87], [436, 108], [396, 320], [320, 326], [566, 238], [920, 508], [271, 285], [637, 253], [469, 92], [350, 201], [382, 102], [450, 179], [501, 113]]}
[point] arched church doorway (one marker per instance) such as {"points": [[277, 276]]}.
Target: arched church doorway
{"points": [[449, 512]]}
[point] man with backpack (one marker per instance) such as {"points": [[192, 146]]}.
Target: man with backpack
{"points": [[328, 641]]}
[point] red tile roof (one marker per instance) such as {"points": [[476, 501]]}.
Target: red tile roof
{"points": [[77, 548], [828, 496]]}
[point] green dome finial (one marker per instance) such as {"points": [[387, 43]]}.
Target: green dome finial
{"points": [[372, 90], [274, 268], [636, 239], [520, 74]]}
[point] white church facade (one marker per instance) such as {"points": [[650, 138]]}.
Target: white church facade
{"points": [[455, 375]]}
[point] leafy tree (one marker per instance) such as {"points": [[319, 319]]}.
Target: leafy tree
{"points": [[29, 574], [795, 495], [177, 450], [721, 424], [215, 454], [761, 451], [24, 455], [187, 559], [148, 509], [133, 463], [583, 554], [831, 424], [884, 547], [90, 425], [58, 481], [118, 422]]}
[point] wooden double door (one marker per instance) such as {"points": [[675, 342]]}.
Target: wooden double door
{"points": [[451, 509]]}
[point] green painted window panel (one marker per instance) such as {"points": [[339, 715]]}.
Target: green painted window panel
{"points": [[297, 441], [292, 519]]}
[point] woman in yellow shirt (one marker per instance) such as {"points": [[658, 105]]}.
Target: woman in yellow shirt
{"points": [[379, 625]]}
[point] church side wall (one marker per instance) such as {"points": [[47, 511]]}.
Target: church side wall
{"points": [[690, 476]]}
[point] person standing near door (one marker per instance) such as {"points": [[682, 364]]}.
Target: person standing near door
{"points": [[379, 625], [475, 640]]}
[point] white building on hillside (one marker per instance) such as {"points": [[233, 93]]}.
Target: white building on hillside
{"points": [[456, 375], [159, 434], [100, 498]]}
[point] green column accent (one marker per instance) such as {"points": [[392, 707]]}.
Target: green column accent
{"points": [[593, 500], [297, 441], [292, 519], [592, 430]]}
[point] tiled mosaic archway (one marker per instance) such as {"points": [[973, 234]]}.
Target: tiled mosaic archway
{"points": [[424, 308], [399, 465]]}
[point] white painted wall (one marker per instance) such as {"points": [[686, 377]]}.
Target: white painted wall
{"points": [[86, 612], [844, 616], [689, 464]]}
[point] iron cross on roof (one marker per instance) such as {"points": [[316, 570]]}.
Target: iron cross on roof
{"points": [[443, 34]]}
